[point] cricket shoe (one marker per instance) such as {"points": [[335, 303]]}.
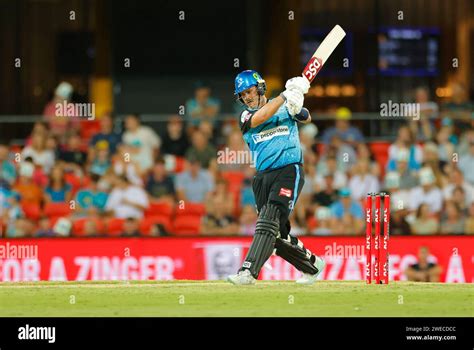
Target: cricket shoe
{"points": [[310, 279], [243, 277]]}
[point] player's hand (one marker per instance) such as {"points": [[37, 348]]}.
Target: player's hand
{"points": [[294, 101], [298, 83]]}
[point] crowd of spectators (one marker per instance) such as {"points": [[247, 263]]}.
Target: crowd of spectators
{"points": [[141, 172]]}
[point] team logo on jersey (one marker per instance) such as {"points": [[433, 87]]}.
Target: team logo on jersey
{"points": [[286, 192], [245, 116], [269, 134]]}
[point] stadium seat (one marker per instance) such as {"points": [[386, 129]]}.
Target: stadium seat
{"points": [[180, 163], [234, 179], [73, 180], [147, 223], [191, 209], [114, 227], [32, 211], [312, 223], [380, 152], [187, 225], [159, 208], [57, 210], [89, 128]]}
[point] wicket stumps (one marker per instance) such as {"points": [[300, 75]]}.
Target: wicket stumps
{"points": [[377, 256]]}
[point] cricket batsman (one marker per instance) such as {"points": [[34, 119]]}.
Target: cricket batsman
{"points": [[269, 128]]}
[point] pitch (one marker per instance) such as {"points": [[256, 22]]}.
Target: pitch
{"points": [[218, 298]]}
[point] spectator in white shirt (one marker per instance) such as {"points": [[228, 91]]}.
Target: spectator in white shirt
{"points": [[141, 142], [126, 200], [427, 193], [363, 181], [39, 153]]}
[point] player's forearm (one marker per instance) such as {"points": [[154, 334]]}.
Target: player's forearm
{"points": [[266, 112]]}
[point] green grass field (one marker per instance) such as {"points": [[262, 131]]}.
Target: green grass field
{"points": [[218, 298]]}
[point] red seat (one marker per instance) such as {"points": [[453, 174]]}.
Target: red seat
{"points": [[32, 210], [234, 179], [187, 209], [187, 225], [159, 209], [74, 181], [180, 163], [147, 223], [57, 209], [312, 223], [114, 226], [89, 128]]}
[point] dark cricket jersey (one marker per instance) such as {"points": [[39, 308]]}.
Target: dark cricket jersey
{"points": [[275, 143]]}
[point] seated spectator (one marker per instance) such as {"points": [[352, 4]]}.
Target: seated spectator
{"points": [[202, 106], [91, 201], [405, 140], [202, 150], [248, 221], [38, 152], [431, 160], [363, 182], [465, 141], [25, 228], [348, 211], [217, 222], [106, 137], [91, 229], [323, 219], [101, 160], [423, 270], [126, 200], [124, 165], [326, 167], [398, 224], [223, 195], [466, 164], [343, 129], [398, 198], [427, 193], [195, 184], [345, 155], [29, 192], [456, 179], [131, 228], [7, 168], [445, 147], [39, 127], [12, 212], [44, 228], [72, 155], [236, 155], [425, 223], [453, 222], [459, 198], [363, 153], [175, 140], [469, 225], [141, 142], [423, 128], [160, 185], [307, 134], [459, 107], [408, 178], [57, 191], [328, 195]]}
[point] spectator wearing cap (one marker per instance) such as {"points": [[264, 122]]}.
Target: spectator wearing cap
{"points": [[160, 185], [405, 140], [400, 164], [363, 182], [60, 126], [346, 206], [141, 142], [425, 223], [29, 191], [203, 106], [195, 184], [424, 270], [175, 140], [427, 193], [343, 129], [91, 201], [452, 221], [466, 164], [126, 200], [106, 136], [323, 220], [7, 168], [456, 179]]}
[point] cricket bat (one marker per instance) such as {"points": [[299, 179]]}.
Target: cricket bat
{"points": [[323, 52]]}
